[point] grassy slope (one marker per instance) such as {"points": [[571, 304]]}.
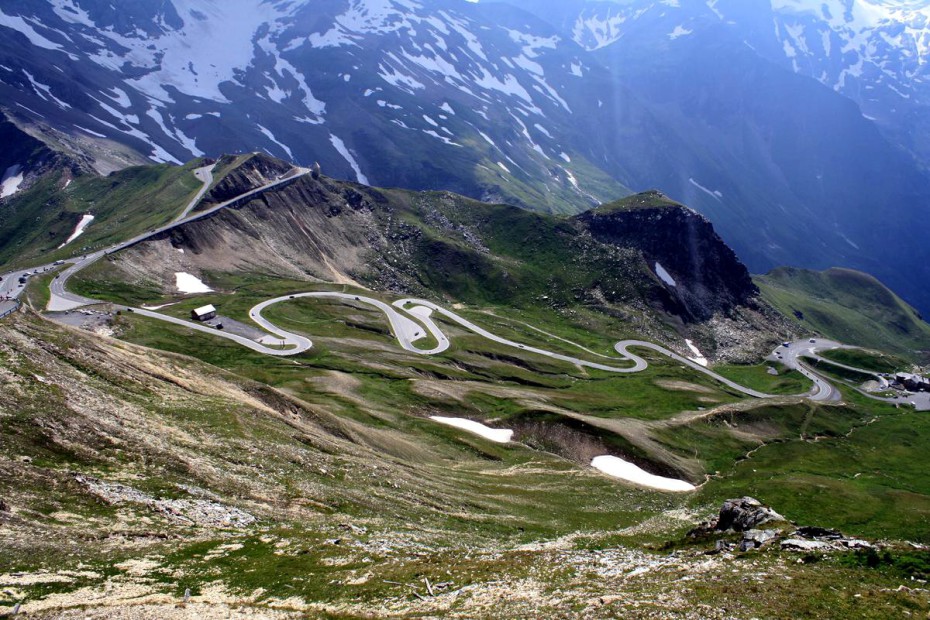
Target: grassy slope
{"points": [[867, 360], [850, 306], [123, 204], [495, 385], [353, 451]]}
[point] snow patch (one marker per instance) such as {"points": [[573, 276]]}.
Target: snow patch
{"points": [[497, 435], [664, 275], [86, 219], [712, 193], [624, 470], [12, 179], [271, 137], [340, 146], [849, 241], [88, 131], [20, 25], [698, 356], [186, 283], [44, 88]]}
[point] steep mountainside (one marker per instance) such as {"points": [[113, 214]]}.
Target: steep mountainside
{"points": [[24, 159], [816, 184], [681, 245], [391, 93], [849, 306], [555, 108], [873, 52]]}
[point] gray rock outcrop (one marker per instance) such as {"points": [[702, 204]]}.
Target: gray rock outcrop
{"points": [[744, 514]]}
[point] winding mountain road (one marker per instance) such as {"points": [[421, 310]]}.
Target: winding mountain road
{"points": [[407, 331], [411, 319], [61, 300], [204, 174]]}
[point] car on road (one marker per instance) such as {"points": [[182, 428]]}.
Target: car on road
{"points": [[812, 340], [786, 344]]}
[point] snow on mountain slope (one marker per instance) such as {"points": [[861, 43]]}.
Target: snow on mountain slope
{"points": [[875, 52], [182, 78], [549, 104]]}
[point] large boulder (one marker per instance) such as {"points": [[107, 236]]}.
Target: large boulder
{"points": [[745, 514]]}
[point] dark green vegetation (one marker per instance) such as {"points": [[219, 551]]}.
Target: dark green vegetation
{"points": [[848, 306]]}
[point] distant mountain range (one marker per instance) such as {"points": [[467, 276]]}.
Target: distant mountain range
{"points": [[798, 127]]}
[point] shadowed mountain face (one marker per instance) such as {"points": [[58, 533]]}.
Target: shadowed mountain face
{"points": [[676, 240], [767, 117]]}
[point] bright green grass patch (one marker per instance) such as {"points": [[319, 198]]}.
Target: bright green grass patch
{"points": [[758, 377], [124, 204], [872, 483], [867, 360], [848, 306]]}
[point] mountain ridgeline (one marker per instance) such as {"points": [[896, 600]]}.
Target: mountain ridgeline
{"points": [[848, 306], [798, 128]]}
